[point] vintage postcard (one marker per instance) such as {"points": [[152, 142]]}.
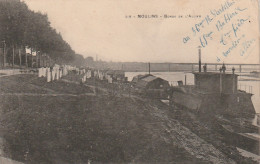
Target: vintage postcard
{"points": [[137, 81]]}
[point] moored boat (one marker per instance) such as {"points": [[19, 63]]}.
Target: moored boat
{"points": [[214, 92]]}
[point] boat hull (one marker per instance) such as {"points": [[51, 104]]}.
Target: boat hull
{"points": [[237, 104]]}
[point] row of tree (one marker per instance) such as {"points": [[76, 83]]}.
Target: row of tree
{"points": [[21, 28]]}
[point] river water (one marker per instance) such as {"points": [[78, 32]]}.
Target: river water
{"points": [[248, 84]]}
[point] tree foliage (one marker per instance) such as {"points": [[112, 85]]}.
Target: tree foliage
{"points": [[21, 27]]}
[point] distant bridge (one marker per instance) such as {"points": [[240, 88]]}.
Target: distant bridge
{"points": [[171, 67], [218, 65]]}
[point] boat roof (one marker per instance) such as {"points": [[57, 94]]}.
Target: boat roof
{"points": [[213, 73], [149, 78], [143, 80]]}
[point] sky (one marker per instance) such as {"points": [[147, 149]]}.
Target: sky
{"points": [[103, 28]]}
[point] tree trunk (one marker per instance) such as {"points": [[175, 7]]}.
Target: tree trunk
{"points": [[49, 61], [20, 57], [26, 61], [4, 54], [37, 62], [40, 62], [13, 57], [32, 58], [44, 60]]}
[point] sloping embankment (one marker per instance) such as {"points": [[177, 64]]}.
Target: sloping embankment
{"points": [[104, 128]]}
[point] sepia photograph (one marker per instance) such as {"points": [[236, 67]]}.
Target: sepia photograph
{"points": [[137, 81]]}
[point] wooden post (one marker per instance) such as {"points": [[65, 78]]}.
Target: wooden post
{"points": [[220, 83], [199, 59], [149, 68], [234, 83], [185, 79]]}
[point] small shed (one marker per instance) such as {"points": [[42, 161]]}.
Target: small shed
{"points": [[153, 86]]}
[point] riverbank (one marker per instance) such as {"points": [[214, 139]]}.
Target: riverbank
{"points": [[105, 127]]}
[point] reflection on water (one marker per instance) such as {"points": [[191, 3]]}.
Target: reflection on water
{"points": [[244, 82]]}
